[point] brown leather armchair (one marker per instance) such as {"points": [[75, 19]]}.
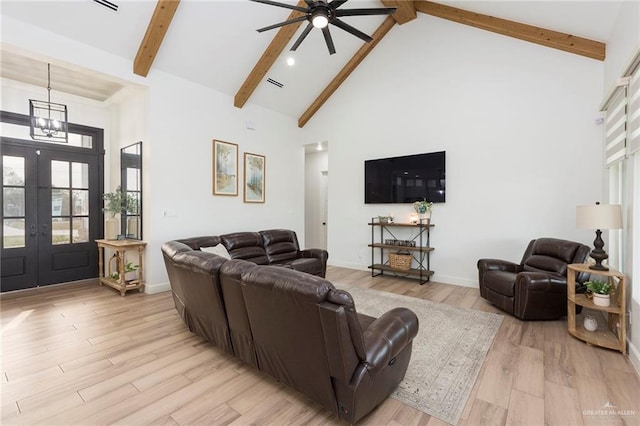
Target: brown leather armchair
{"points": [[535, 289]]}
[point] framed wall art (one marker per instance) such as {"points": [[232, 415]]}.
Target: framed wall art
{"points": [[225, 168], [254, 178]]}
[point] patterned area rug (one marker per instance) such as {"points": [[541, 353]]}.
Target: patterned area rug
{"points": [[448, 351]]}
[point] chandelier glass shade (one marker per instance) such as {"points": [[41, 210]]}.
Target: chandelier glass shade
{"points": [[48, 121]]}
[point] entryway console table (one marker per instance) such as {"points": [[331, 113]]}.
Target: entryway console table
{"points": [[120, 248], [417, 246], [615, 336]]}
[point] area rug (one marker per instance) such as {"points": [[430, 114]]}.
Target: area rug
{"points": [[448, 351]]}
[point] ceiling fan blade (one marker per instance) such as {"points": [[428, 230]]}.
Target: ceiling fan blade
{"points": [[337, 3], [304, 34], [361, 12], [281, 24], [286, 6], [328, 40], [348, 28]]}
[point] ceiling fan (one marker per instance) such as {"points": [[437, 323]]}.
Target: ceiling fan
{"points": [[320, 14]]}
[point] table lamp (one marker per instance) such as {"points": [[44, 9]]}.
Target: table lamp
{"points": [[599, 216]]}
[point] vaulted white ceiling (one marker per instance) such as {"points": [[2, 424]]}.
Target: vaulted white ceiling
{"points": [[215, 43]]}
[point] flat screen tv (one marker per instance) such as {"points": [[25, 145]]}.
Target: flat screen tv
{"points": [[405, 179]]}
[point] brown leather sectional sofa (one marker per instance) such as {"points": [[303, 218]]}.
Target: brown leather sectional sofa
{"points": [[294, 326]]}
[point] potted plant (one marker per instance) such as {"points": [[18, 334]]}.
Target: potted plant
{"points": [[601, 291], [422, 208], [119, 201], [130, 271]]}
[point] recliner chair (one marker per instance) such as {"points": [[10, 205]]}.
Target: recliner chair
{"points": [[535, 289]]}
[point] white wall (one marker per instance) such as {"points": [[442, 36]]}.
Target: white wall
{"points": [[181, 119], [517, 121], [184, 118]]}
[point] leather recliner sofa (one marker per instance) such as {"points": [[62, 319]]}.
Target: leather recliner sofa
{"points": [[536, 288], [294, 326], [278, 247]]}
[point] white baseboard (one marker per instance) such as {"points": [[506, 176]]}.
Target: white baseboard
{"points": [[634, 357], [444, 279], [157, 288]]}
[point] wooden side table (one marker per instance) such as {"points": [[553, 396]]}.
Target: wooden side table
{"points": [[615, 337], [120, 247]]}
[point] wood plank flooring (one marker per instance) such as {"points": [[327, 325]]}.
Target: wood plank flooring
{"points": [[82, 354]]}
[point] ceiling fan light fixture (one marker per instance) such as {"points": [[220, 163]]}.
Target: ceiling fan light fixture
{"points": [[319, 19]]}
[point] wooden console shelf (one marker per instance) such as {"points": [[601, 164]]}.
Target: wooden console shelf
{"points": [[420, 252], [120, 247], [615, 337]]}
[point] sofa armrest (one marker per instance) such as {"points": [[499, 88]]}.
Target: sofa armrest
{"points": [[540, 282], [387, 336], [317, 253], [485, 265]]}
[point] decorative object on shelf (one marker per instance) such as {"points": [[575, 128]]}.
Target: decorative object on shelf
{"points": [[225, 168], [254, 177], [48, 121], [423, 208], [413, 218], [601, 292], [400, 260], [598, 217], [590, 323], [383, 219]]}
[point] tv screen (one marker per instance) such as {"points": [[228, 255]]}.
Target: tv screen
{"points": [[405, 179]]}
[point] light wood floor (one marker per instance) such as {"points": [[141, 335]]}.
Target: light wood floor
{"points": [[82, 354]]}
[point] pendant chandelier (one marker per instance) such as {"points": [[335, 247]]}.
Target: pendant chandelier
{"points": [[48, 120]]}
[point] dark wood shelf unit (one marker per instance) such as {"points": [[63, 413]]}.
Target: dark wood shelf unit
{"points": [[420, 253]]}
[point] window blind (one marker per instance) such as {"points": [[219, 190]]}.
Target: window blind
{"points": [[616, 126], [633, 121]]}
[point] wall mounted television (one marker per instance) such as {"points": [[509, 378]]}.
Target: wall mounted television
{"points": [[405, 179]]}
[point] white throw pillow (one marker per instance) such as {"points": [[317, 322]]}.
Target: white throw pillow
{"points": [[220, 250]]}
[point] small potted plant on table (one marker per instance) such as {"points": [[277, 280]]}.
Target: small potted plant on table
{"points": [[601, 291]]}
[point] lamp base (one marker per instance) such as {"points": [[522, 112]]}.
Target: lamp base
{"points": [[598, 254], [598, 267]]}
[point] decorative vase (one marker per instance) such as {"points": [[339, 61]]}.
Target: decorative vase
{"points": [[112, 228], [601, 299], [590, 323], [131, 276]]}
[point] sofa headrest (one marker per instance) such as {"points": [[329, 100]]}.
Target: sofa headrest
{"points": [[553, 255], [294, 285], [246, 246], [196, 243], [200, 261], [559, 249], [171, 248]]}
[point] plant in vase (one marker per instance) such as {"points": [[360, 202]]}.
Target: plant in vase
{"points": [[423, 208], [601, 291], [116, 202], [130, 272]]}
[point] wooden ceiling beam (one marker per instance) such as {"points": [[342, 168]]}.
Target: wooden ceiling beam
{"points": [[156, 30], [353, 63], [557, 40], [268, 58], [405, 12]]}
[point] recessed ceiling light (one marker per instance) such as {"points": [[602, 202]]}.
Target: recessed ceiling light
{"points": [[291, 61]]}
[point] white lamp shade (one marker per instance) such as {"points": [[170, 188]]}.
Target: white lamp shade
{"points": [[599, 216]]}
